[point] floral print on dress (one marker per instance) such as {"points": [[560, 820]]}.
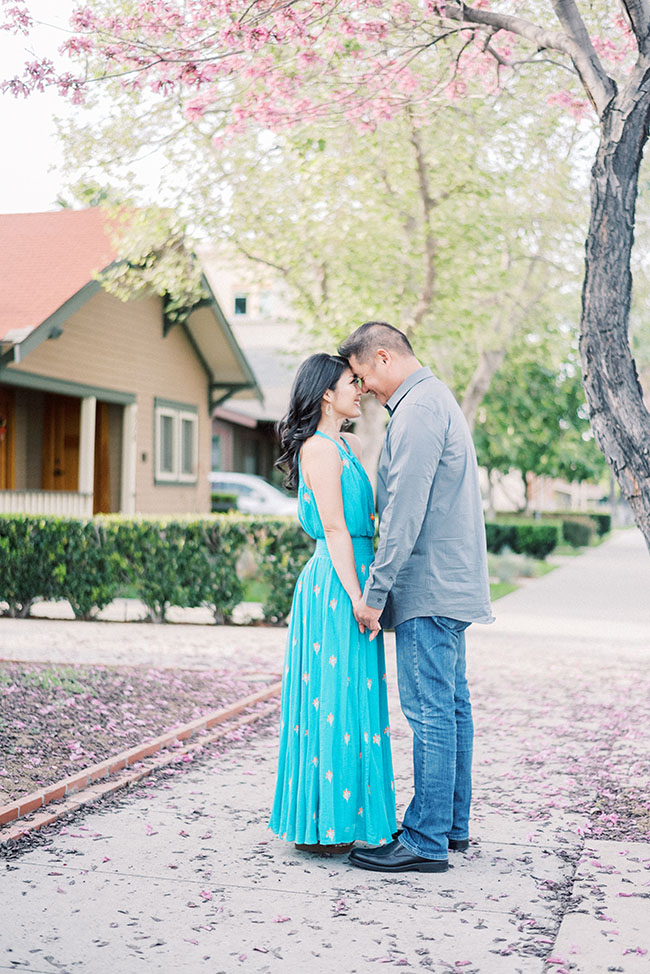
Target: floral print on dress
{"points": [[334, 662]]}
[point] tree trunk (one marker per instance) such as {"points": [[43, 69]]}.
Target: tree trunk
{"points": [[619, 418], [489, 362]]}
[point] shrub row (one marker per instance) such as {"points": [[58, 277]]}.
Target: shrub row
{"points": [[184, 561], [600, 523], [537, 540], [174, 561]]}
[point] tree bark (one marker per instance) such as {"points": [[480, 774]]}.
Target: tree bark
{"points": [[619, 418], [488, 364]]}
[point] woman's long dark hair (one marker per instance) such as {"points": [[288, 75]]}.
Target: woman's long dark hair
{"points": [[314, 377]]}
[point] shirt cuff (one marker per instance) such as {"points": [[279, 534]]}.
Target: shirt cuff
{"points": [[374, 600]]}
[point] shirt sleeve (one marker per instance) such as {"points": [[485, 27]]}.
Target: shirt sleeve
{"points": [[416, 439]]}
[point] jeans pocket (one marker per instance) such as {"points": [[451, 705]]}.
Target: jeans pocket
{"points": [[451, 625]]}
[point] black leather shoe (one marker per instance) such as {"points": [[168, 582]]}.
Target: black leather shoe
{"points": [[455, 845], [395, 858], [459, 845]]}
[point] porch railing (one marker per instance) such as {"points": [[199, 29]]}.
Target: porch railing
{"points": [[65, 503]]}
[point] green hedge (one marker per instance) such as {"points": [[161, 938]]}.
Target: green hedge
{"points": [[223, 501], [578, 531], [601, 521], [165, 561], [177, 561], [283, 549], [526, 538]]}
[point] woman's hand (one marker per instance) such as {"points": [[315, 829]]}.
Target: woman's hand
{"points": [[366, 617]]}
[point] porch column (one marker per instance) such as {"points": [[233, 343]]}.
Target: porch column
{"points": [[127, 492], [87, 446]]}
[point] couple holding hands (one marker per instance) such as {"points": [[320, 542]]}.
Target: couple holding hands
{"points": [[427, 579]]}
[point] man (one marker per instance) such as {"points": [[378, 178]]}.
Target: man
{"points": [[429, 581]]}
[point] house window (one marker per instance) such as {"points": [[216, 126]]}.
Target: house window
{"points": [[241, 301], [176, 442], [166, 443]]}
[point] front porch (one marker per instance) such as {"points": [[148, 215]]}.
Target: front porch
{"points": [[64, 503], [65, 449]]}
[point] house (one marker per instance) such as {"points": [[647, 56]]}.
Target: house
{"points": [[258, 303], [105, 406]]}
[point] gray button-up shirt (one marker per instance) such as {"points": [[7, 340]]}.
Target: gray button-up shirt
{"points": [[431, 558]]}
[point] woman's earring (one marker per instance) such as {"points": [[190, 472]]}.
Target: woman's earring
{"points": [[328, 409]]}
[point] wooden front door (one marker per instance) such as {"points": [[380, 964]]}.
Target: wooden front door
{"points": [[102, 495], [7, 440], [61, 425]]}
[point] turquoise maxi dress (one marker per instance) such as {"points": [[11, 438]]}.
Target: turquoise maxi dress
{"points": [[335, 773]]}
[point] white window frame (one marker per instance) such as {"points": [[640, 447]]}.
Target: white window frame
{"points": [[186, 415], [179, 413]]}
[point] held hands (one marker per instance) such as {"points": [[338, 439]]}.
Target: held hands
{"points": [[367, 618]]}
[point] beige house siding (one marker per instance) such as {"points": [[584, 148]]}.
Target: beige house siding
{"points": [[120, 346]]}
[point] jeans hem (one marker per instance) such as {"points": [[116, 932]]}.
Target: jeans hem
{"points": [[416, 852]]}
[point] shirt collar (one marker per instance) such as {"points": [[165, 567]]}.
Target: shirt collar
{"points": [[406, 386]]}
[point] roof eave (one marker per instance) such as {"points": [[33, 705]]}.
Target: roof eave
{"points": [[227, 389]]}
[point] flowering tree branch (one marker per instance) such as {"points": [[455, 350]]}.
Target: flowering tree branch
{"points": [[574, 41]]}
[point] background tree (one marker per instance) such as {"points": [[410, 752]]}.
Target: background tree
{"points": [[535, 420], [464, 230]]}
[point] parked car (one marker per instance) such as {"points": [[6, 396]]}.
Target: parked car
{"points": [[255, 495]]}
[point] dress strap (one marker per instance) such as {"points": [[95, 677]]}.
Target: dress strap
{"points": [[347, 448]]}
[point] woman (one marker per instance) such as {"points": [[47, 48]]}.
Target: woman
{"points": [[335, 776]]}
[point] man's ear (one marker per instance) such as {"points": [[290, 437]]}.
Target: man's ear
{"points": [[383, 356]]}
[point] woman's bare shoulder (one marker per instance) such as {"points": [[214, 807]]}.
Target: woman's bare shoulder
{"points": [[318, 447], [353, 442], [320, 460]]}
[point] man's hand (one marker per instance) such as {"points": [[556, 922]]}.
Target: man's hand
{"points": [[367, 618]]}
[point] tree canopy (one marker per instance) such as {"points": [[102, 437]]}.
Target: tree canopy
{"points": [[276, 63]]}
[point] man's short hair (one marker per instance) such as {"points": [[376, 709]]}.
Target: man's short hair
{"points": [[364, 342]]}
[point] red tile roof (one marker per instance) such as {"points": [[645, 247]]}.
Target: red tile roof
{"points": [[45, 258]]}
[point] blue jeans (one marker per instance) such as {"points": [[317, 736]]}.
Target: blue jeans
{"points": [[435, 699]]}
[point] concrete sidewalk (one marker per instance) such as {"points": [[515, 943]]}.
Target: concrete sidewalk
{"points": [[185, 877]]}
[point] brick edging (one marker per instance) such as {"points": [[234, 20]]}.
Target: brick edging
{"points": [[119, 762], [126, 779]]}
